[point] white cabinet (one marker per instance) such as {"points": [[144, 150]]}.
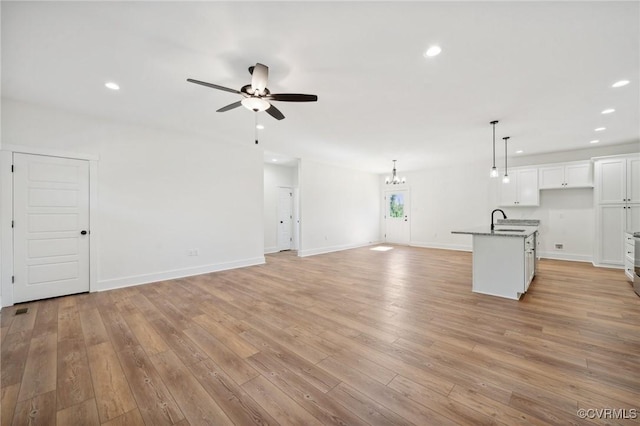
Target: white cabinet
{"points": [[629, 255], [566, 175], [611, 229], [617, 198], [522, 189], [529, 260], [503, 266], [618, 180]]}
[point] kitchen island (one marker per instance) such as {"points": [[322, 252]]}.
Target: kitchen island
{"points": [[504, 259]]}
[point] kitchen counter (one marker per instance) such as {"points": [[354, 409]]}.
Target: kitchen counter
{"points": [[503, 259], [500, 231]]}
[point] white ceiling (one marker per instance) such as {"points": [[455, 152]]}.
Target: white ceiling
{"points": [[543, 69]]}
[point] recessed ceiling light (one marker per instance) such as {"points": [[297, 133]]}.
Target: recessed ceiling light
{"points": [[600, 129], [519, 151], [259, 126], [274, 160], [608, 111], [620, 83], [111, 85], [432, 51], [594, 141]]}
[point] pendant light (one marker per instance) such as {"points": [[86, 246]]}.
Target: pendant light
{"points": [[394, 179], [494, 170], [505, 178]]}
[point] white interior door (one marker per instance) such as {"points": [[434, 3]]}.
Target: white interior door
{"points": [[285, 218], [51, 226], [396, 217]]}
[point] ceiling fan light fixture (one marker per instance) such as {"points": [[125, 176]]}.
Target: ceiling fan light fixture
{"points": [[255, 104]]}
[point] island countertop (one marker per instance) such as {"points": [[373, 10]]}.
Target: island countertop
{"points": [[502, 230]]}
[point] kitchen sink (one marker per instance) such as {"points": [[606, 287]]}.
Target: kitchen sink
{"points": [[510, 230]]}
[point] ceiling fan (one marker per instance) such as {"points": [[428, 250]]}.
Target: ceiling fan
{"points": [[256, 96]]}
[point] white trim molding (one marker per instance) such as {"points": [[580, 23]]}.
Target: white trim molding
{"points": [[457, 247], [324, 250], [134, 280]]}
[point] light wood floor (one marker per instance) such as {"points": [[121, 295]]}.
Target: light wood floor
{"points": [[355, 337]]}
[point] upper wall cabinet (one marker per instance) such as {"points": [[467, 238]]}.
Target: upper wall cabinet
{"points": [[618, 180], [566, 175], [522, 189]]}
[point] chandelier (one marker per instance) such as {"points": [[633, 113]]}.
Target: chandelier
{"points": [[394, 179]]}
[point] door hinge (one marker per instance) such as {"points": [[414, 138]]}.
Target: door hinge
{"points": [[291, 194], [12, 224], [290, 238], [13, 279], [12, 168]]}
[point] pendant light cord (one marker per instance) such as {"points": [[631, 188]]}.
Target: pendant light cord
{"points": [[505, 154], [494, 142]]}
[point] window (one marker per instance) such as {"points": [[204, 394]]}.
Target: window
{"points": [[396, 205]]}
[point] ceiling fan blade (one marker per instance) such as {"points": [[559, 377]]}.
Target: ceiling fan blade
{"points": [[292, 97], [275, 113], [213, 86], [230, 106], [259, 78]]}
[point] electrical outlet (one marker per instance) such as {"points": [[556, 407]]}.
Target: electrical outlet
{"points": [[559, 246], [192, 252]]}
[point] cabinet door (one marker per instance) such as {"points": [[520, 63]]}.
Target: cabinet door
{"points": [[611, 180], [633, 181], [551, 177], [633, 218], [578, 175], [509, 191], [611, 230], [528, 194]]}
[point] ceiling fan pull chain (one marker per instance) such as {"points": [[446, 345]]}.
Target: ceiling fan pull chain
{"points": [[255, 127]]}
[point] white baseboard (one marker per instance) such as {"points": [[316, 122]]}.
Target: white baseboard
{"points": [[323, 250], [565, 256], [268, 250], [457, 247], [176, 273]]}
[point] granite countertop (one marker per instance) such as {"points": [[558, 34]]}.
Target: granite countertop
{"points": [[486, 230]]}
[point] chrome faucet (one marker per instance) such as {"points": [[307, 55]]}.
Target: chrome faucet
{"points": [[504, 216]]}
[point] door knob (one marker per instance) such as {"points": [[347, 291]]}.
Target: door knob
{"points": [[281, 222], [83, 232]]}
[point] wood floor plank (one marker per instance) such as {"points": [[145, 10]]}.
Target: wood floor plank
{"points": [[227, 337], [69, 326], [148, 337], [318, 377], [130, 418], [73, 376], [93, 328], [8, 403], [113, 396], [365, 407], [278, 404], [231, 363], [39, 410], [235, 402], [319, 404], [154, 400], [40, 370], [118, 330], [47, 318], [84, 413], [15, 348], [180, 343], [196, 404]]}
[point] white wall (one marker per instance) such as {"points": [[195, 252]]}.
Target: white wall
{"points": [[159, 194], [274, 177], [340, 208], [447, 199]]}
